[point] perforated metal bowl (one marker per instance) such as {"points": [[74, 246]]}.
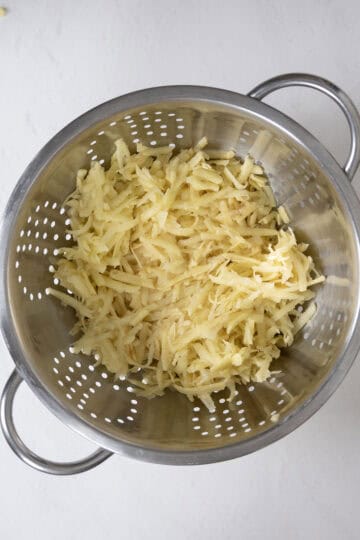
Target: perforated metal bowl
{"points": [[324, 211]]}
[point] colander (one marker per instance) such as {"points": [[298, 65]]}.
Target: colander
{"points": [[324, 211]]}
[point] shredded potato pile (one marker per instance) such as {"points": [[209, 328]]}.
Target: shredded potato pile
{"points": [[183, 273]]}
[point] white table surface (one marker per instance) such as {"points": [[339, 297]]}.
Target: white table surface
{"points": [[59, 58]]}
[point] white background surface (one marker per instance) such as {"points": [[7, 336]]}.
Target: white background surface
{"points": [[59, 58]]}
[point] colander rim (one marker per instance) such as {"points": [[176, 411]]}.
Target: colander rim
{"points": [[122, 104]]}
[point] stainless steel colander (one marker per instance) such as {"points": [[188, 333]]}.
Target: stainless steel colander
{"points": [[324, 211]]}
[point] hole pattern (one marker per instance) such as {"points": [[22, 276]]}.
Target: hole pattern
{"points": [[78, 386], [38, 238], [149, 128]]}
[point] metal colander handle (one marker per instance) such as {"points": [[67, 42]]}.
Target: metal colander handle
{"points": [[24, 453], [331, 90]]}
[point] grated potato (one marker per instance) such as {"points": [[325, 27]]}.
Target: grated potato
{"points": [[182, 274]]}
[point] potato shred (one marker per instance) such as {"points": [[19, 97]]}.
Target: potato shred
{"points": [[182, 273]]}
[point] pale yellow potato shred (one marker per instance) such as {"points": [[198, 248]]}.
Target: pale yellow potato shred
{"points": [[182, 271]]}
